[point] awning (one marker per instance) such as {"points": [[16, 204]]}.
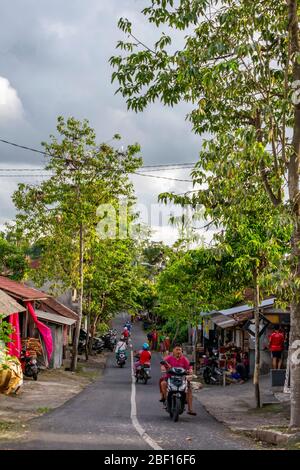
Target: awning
{"points": [[222, 320], [8, 305], [54, 318]]}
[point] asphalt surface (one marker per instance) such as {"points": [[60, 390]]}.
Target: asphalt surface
{"points": [[100, 417]]}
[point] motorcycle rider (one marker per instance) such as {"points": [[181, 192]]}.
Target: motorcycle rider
{"points": [[126, 334], [177, 359], [128, 326], [144, 356], [121, 346]]}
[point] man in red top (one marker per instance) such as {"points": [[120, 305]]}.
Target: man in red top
{"points": [[126, 334], [276, 346], [177, 359]]}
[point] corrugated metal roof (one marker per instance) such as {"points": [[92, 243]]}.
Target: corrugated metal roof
{"points": [[54, 318], [8, 305], [59, 308], [246, 307], [20, 291], [222, 320]]}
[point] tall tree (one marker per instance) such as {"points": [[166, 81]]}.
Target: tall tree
{"points": [[239, 67]]}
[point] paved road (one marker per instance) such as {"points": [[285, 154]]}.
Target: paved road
{"points": [[101, 417]]}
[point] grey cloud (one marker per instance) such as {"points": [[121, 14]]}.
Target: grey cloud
{"points": [[55, 54]]}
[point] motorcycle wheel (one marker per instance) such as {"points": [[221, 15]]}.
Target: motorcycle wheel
{"points": [[122, 364], [35, 376], [207, 376], [176, 409], [145, 379]]}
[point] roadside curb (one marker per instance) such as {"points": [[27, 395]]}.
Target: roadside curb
{"points": [[271, 436], [263, 434]]}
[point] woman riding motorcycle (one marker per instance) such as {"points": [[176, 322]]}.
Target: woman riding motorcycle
{"points": [[121, 346], [144, 356]]}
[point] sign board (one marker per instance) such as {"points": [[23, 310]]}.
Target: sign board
{"points": [[250, 325]]}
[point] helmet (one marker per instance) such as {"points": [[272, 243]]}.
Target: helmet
{"points": [[125, 328], [146, 346]]}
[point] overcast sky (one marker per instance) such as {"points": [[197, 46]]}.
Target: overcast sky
{"points": [[54, 61]]}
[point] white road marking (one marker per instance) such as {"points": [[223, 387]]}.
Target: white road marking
{"points": [[133, 414]]}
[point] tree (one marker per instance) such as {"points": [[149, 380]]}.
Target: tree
{"points": [[62, 212], [110, 280], [12, 260], [239, 67]]}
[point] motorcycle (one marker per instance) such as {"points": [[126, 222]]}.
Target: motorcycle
{"points": [[121, 359], [110, 339], [29, 364], [97, 344], [177, 385], [143, 373], [212, 374]]}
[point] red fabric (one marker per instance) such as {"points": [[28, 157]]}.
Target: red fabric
{"points": [[43, 329], [145, 357], [14, 347], [126, 333], [276, 341]]}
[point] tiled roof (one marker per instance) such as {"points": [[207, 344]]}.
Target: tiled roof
{"points": [[59, 308], [8, 305], [20, 291]]}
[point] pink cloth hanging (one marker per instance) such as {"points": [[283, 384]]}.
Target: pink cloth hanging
{"points": [[43, 329], [14, 347]]}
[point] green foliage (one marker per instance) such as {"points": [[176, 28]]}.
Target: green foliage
{"points": [[84, 175], [5, 331], [13, 262]]}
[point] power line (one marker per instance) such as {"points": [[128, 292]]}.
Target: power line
{"points": [[134, 173], [24, 147], [163, 177]]}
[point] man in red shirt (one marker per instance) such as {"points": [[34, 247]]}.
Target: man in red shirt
{"points": [[177, 359], [276, 346]]}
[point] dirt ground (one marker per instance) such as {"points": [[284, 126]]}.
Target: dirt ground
{"points": [[53, 388]]}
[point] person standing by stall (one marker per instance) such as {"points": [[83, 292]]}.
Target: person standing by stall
{"points": [[276, 347], [154, 340]]}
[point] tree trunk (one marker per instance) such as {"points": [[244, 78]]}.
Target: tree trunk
{"points": [[87, 343], [257, 350], [195, 350], [78, 325], [176, 332], [286, 388], [293, 187]]}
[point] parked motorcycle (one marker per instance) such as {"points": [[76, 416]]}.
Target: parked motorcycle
{"points": [[121, 359], [143, 373], [29, 364], [177, 385], [110, 339], [212, 374], [97, 344]]}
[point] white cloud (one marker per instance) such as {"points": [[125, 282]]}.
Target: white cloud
{"points": [[58, 28], [10, 103]]}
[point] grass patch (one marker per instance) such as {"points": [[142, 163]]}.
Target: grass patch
{"points": [[43, 410], [6, 426], [273, 408]]}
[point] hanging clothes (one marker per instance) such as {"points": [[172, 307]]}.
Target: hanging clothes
{"points": [[14, 347], [44, 330]]}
